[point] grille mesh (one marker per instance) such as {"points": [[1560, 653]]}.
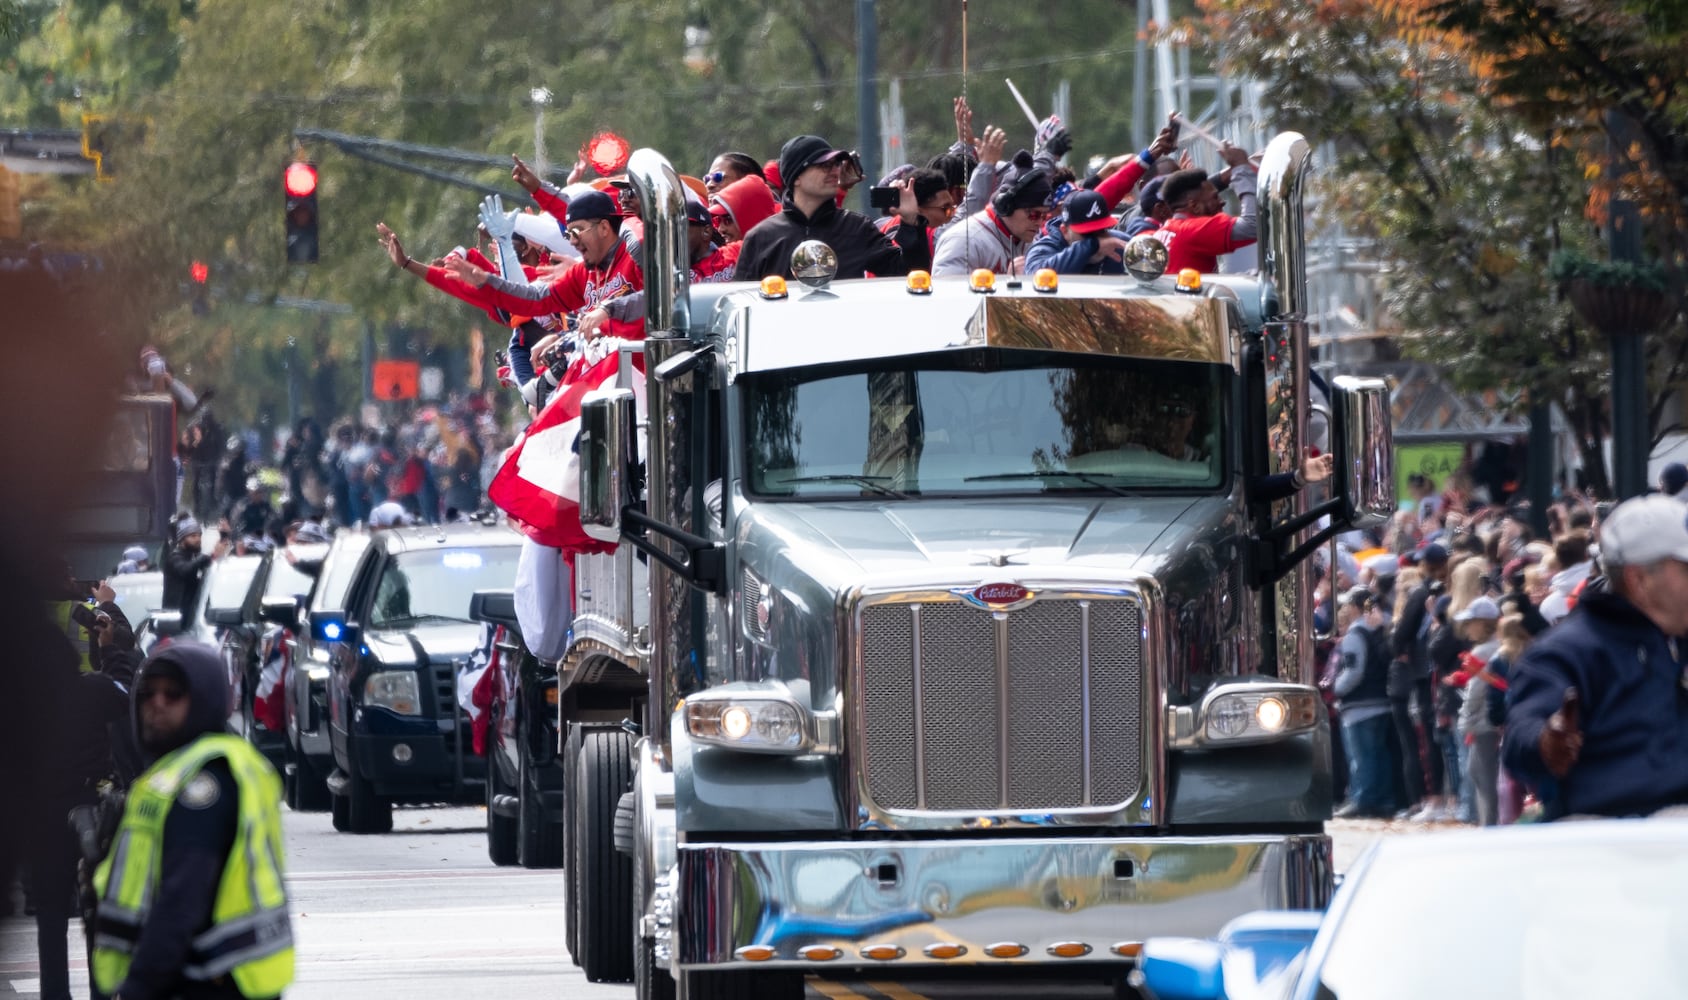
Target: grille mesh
{"points": [[953, 734]]}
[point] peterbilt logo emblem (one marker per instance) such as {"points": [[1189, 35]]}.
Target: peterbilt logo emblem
{"points": [[996, 596]]}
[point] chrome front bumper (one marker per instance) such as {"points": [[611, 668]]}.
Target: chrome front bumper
{"points": [[1043, 900]]}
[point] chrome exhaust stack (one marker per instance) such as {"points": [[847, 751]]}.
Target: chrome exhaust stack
{"points": [[1284, 168], [668, 485]]}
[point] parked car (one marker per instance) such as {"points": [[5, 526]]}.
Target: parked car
{"points": [[405, 634], [524, 771], [308, 758], [1541, 910], [228, 582], [254, 647]]}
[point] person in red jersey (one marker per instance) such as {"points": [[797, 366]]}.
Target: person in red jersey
{"points": [[1199, 230]]}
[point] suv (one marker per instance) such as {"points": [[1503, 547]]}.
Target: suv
{"points": [[309, 758], [524, 773], [253, 646], [396, 728]]}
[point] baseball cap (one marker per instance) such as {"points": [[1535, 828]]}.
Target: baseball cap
{"points": [[1644, 531], [1673, 478], [591, 206], [1434, 553], [697, 213], [1150, 196], [388, 515], [1482, 609], [1087, 212]]}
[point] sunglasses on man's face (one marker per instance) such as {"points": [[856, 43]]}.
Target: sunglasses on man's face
{"points": [[574, 233], [715, 177]]}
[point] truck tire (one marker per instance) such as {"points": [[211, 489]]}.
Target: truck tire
{"points": [[307, 786], [340, 810], [604, 879], [500, 830], [571, 864], [741, 986], [366, 811], [539, 839]]}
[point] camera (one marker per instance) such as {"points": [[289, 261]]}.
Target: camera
{"points": [[884, 197]]}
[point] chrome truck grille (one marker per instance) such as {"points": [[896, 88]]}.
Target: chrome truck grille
{"points": [[969, 710]]}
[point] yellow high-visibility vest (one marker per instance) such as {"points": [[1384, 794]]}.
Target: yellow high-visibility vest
{"points": [[250, 938], [74, 632]]}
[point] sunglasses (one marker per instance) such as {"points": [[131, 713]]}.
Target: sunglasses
{"points": [[715, 177], [170, 694], [1039, 214], [576, 232]]}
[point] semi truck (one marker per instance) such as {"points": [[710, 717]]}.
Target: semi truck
{"points": [[954, 622]]}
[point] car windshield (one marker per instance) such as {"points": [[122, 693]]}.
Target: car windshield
{"points": [[138, 595], [285, 580], [436, 584], [1547, 921], [338, 572], [230, 579], [987, 421]]}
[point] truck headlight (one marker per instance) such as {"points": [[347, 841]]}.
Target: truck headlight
{"points": [[760, 717], [1246, 712], [395, 691]]}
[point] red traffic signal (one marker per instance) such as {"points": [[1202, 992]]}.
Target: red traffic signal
{"points": [[300, 180], [200, 272]]}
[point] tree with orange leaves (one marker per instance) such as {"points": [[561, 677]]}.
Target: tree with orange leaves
{"points": [[1469, 174]]}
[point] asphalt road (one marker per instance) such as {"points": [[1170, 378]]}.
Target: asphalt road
{"points": [[422, 913]]}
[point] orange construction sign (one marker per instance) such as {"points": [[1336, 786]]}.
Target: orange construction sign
{"points": [[396, 379]]}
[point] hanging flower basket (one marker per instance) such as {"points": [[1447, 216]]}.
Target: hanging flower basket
{"points": [[1620, 310], [1618, 298]]}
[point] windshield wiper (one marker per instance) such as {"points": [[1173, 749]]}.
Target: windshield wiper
{"points": [[403, 620], [1083, 477], [867, 482]]}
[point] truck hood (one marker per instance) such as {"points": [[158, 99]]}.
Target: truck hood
{"points": [[435, 643], [843, 543]]}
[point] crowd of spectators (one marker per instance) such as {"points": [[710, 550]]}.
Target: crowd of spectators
{"points": [[1428, 623]]}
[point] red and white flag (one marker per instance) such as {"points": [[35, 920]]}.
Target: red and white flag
{"points": [[538, 485]]}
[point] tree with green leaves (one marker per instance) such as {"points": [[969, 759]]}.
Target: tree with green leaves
{"points": [[1467, 198]]}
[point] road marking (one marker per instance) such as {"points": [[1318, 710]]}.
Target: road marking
{"points": [[835, 991], [895, 991], [26, 986]]}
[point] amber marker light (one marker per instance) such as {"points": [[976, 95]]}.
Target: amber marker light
{"points": [[1006, 949], [1069, 949], [1189, 281], [1046, 280], [773, 287], [919, 283], [754, 953], [983, 281], [882, 952], [1127, 949], [944, 950], [820, 953]]}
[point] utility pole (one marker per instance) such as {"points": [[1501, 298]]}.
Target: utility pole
{"points": [[867, 91], [1630, 438]]}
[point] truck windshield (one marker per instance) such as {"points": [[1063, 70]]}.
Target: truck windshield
{"points": [[987, 422], [436, 584]]}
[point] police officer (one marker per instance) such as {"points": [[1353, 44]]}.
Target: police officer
{"points": [[191, 901]]}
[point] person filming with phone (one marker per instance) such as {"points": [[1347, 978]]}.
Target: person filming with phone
{"points": [[1597, 709]]}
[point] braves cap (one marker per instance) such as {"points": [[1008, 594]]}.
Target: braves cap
{"points": [[1087, 212]]}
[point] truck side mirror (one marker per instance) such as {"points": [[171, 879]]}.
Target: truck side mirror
{"points": [[607, 453], [497, 607], [166, 624], [283, 611], [1365, 450]]}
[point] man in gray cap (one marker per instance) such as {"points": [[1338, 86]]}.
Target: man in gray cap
{"points": [[184, 568], [1597, 709], [811, 169]]}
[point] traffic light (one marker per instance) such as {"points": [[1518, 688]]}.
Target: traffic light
{"points": [[299, 183], [200, 272]]}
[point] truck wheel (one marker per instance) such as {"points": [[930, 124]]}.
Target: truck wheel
{"points": [[500, 830], [741, 986], [340, 809], [571, 844], [313, 787], [366, 811], [603, 881], [540, 839], [649, 981]]}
